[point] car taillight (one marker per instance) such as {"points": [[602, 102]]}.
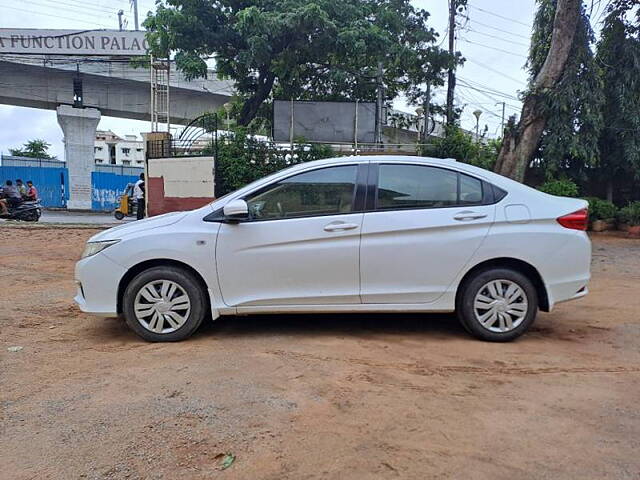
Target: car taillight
{"points": [[576, 220]]}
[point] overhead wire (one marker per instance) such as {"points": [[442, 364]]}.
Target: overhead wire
{"points": [[507, 52], [498, 15], [492, 27], [53, 15], [511, 42], [65, 8], [497, 72]]}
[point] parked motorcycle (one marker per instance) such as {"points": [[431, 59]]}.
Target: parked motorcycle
{"points": [[28, 211]]}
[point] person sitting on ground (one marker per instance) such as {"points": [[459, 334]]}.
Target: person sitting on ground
{"points": [[22, 189], [12, 197], [32, 192]]}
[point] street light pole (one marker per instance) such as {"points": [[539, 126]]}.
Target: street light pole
{"points": [[477, 114], [135, 14], [227, 108]]}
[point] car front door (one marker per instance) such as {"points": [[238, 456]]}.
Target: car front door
{"points": [[425, 225], [301, 243]]}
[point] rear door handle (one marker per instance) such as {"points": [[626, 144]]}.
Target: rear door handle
{"points": [[337, 227], [468, 215]]}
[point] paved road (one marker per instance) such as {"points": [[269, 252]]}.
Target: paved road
{"points": [[60, 216], [80, 217]]}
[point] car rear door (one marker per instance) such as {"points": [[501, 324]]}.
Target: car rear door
{"points": [[301, 246], [423, 225]]}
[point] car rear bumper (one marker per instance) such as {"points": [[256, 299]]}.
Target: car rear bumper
{"points": [[566, 291], [567, 274], [97, 279]]}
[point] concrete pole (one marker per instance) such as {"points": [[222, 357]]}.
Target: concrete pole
{"points": [[79, 128], [135, 14], [379, 104], [451, 74]]}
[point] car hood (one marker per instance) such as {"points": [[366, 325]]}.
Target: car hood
{"points": [[121, 231]]}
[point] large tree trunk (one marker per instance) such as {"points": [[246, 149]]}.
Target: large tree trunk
{"points": [[520, 143], [252, 104]]}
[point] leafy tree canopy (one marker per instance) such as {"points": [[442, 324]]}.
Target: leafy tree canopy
{"points": [[464, 147], [573, 110], [320, 49], [33, 149], [619, 62], [243, 158]]}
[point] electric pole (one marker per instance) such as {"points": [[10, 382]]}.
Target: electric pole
{"points": [[120, 13], [426, 107], [504, 104], [379, 103], [451, 78], [135, 13]]}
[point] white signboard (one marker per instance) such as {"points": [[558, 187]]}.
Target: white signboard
{"points": [[72, 42]]}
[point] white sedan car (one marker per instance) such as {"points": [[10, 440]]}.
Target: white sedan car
{"points": [[350, 234]]}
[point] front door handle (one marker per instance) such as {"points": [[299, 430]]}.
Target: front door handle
{"points": [[337, 227], [468, 215]]}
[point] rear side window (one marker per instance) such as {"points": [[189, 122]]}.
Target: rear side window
{"points": [[414, 186], [418, 186], [470, 190]]}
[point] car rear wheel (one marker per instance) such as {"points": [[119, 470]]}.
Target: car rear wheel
{"points": [[164, 304], [497, 305]]}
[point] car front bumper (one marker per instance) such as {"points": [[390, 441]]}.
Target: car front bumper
{"points": [[97, 279]]}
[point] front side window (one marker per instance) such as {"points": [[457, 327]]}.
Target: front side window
{"points": [[419, 186], [325, 191]]}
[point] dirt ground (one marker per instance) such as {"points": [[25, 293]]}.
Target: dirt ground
{"points": [[314, 397]]}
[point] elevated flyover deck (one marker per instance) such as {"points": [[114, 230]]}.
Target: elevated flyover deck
{"points": [[112, 86]]}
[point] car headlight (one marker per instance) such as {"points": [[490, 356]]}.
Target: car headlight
{"points": [[96, 247]]}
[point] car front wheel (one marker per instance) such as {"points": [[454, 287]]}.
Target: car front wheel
{"points": [[164, 304], [497, 305]]}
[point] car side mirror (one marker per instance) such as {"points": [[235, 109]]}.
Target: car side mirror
{"points": [[236, 211]]}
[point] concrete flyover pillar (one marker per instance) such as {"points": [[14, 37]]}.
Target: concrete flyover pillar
{"points": [[79, 128]]}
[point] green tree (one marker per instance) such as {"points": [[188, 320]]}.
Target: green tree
{"points": [[33, 149], [569, 143], [520, 143], [243, 158], [462, 146], [320, 49], [619, 61]]}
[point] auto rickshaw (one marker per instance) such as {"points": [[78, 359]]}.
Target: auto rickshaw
{"points": [[128, 205]]}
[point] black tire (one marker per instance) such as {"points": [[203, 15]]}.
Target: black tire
{"points": [[470, 288], [30, 216], [187, 282], [118, 214]]}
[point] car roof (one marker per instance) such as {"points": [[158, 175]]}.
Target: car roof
{"points": [[381, 158]]}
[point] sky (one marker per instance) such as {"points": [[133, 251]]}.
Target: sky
{"points": [[493, 37]]}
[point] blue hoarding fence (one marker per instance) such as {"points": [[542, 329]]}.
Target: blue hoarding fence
{"points": [[52, 182], [51, 178], [107, 187]]}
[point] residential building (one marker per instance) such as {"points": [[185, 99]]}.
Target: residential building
{"points": [[112, 149]]}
